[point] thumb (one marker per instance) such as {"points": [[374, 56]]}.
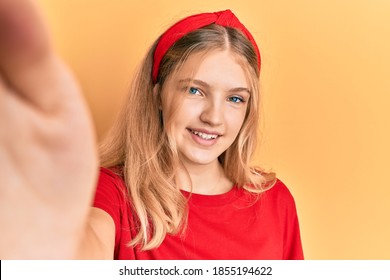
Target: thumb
{"points": [[28, 62]]}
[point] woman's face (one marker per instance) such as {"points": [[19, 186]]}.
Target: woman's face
{"points": [[204, 106]]}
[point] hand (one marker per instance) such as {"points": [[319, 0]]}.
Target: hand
{"points": [[48, 158]]}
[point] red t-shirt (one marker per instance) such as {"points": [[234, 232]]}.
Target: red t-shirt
{"points": [[226, 226]]}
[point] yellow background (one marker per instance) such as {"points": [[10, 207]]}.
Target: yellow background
{"points": [[326, 90]]}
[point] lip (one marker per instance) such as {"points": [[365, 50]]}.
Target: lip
{"points": [[205, 131], [203, 142]]}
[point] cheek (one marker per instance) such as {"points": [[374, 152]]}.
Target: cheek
{"points": [[188, 110], [180, 119], [171, 113], [235, 120]]}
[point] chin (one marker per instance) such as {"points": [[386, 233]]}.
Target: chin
{"points": [[201, 159]]}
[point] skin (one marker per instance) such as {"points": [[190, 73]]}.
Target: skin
{"points": [[213, 101], [48, 152]]}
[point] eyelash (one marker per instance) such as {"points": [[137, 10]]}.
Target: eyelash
{"points": [[191, 89], [237, 99], [234, 99]]}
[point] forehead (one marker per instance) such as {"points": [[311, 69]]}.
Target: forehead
{"points": [[219, 68]]}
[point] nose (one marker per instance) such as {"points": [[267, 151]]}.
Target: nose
{"points": [[212, 113]]}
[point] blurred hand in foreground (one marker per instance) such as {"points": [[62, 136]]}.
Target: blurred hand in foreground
{"points": [[48, 157]]}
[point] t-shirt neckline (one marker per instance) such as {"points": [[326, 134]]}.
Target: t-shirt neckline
{"points": [[215, 199]]}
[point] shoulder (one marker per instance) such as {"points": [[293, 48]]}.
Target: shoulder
{"points": [[279, 188], [112, 176], [279, 194], [111, 185]]}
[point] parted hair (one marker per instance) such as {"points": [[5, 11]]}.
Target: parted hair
{"points": [[140, 145]]}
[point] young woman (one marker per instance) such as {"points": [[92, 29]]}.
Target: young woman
{"points": [[176, 182]]}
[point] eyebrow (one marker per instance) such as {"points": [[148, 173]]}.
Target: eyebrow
{"points": [[206, 85]]}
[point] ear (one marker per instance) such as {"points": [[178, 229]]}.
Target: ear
{"points": [[157, 95]]}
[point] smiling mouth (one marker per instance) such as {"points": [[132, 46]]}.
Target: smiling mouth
{"points": [[204, 136]]}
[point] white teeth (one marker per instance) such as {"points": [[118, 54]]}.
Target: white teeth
{"points": [[204, 135]]}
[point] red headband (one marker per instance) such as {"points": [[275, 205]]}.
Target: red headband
{"points": [[191, 23]]}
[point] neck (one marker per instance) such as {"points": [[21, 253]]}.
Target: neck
{"points": [[207, 179]]}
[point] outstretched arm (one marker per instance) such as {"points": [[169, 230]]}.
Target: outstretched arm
{"points": [[48, 158]]}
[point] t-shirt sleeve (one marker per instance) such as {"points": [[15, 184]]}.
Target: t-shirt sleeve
{"points": [[292, 238], [110, 196]]}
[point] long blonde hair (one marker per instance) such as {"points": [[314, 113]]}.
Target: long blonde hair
{"points": [[141, 145]]}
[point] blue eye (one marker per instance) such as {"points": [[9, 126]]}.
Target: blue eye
{"points": [[236, 99], [193, 90]]}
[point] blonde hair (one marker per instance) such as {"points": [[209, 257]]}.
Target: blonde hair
{"points": [[145, 151]]}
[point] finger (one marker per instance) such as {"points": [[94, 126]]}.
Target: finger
{"points": [[28, 62]]}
